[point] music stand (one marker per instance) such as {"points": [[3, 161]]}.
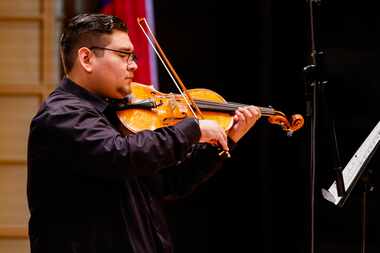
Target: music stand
{"points": [[351, 174]]}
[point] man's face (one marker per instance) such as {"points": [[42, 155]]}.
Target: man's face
{"points": [[113, 71]]}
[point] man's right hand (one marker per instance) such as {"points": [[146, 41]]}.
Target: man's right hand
{"points": [[212, 133]]}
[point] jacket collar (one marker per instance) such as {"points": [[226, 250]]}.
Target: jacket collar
{"points": [[70, 86]]}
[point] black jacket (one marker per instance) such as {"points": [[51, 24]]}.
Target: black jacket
{"points": [[92, 189]]}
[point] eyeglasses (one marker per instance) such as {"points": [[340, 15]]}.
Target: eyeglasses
{"points": [[131, 56]]}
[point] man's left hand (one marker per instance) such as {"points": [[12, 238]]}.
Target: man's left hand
{"points": [[244, 119]]}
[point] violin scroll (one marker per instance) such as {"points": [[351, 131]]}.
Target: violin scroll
{"points": [[297, 122]]}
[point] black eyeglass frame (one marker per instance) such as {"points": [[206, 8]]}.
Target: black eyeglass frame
{"points": [[132, 57]]}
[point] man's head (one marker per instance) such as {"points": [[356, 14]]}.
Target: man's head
{"points": [[97, 53]]}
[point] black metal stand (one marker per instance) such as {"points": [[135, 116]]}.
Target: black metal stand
{"points": [[367, 187], [355, 172], [311, 105], [314, 79], [338, 168]]}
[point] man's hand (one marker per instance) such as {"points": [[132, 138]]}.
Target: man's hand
{"points": [[212, 133], [244, 119]]}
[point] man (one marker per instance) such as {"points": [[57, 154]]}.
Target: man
{"points": [[92, 188]]}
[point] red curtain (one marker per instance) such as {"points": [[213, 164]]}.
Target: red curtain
{"points": [[128, 11]]}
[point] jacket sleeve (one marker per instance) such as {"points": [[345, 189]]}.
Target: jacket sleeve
{"points": [[100, 150], [200, 163]]}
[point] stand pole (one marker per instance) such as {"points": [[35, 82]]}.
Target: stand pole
{"points": [[368, 187], [311, 112], [313, 127], [312, 82], [364, 220]]}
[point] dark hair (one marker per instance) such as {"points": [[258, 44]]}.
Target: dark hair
{"points": [[86, 30]]}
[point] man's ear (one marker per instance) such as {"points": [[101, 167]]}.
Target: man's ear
{"points": [[85, 57]]}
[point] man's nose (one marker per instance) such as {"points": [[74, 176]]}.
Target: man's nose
{"points": [[132, 66]]}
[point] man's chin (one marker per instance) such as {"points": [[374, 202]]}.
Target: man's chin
{"points": [[124, 91]]}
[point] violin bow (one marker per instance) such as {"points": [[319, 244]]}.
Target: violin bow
{"points": [[172, 73], [168, 67]]}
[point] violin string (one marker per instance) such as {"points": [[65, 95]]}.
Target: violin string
{"points": [[226, 109], [266, 110], [230, 106]]}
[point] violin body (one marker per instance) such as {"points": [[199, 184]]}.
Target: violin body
{"points": [[149, 109], [167, 109]]}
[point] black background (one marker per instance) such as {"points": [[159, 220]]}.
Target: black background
{"points": [[255, 54]]}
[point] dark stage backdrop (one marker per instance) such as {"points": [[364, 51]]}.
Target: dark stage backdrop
{"points": [[255, 54]]}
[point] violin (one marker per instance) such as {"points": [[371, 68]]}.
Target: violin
{"points": [[149, 109]]}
